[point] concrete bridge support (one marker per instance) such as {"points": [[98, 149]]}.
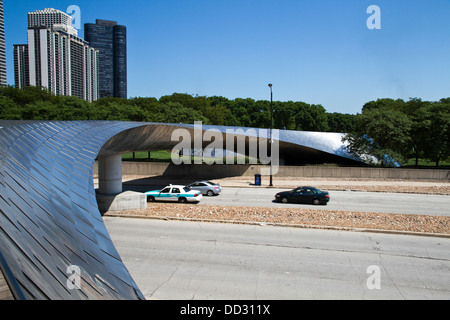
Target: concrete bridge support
{"points": [[110, 196], [110, 175]]}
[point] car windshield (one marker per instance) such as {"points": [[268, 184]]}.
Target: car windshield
{"points": [[212, 183], [186, 189]]}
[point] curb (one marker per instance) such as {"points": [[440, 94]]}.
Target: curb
{"points": [[284, 225]]}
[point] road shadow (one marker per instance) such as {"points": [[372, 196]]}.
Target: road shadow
{"points": [[183, 175]]}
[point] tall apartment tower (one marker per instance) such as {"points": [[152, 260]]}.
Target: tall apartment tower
{"points": [[52, 18], [63, 63], [3, 79], [21, 66], [111, 41], [57, 59]]}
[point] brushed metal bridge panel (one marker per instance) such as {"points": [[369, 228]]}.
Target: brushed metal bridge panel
{"points": [[49, 218]]}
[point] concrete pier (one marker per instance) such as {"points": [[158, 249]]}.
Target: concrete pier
{"points": [[110, 196]]}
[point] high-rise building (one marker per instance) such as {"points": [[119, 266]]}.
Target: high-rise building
{"points": [[21, 66], [111, 41], [63, 63], [52, 18], [57, 59], [3, 79]]}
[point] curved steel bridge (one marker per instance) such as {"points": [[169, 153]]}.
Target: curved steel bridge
{"points": [[49, 217]]}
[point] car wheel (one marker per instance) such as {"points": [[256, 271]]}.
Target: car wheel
{"points": [[284, 200], [150, 199], [182, 200], [210, 193], [316, 202]]}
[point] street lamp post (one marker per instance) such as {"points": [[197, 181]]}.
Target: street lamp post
{"points": [[271, 135]]}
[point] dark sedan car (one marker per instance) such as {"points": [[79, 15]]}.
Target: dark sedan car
{"points": [[303, 195]]}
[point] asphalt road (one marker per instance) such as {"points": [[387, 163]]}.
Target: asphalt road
{"points": [[186, 260], [340, 200]]}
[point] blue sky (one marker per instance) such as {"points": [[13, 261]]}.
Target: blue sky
{"points": [[316, 51]]}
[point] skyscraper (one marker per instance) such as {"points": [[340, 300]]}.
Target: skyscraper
{"points": [[111, 41], [21, 66], [3, 79], [52, 18], [63, 63], [57, 59]]}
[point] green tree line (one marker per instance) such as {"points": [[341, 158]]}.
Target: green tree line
{"points": [[34, 103], [413, 129]]}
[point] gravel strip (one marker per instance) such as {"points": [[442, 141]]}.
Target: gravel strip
{"points": [[308, 218]]}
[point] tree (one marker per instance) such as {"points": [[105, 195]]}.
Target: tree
{"points": [[398, 105], [9, 110], [379, 132], [223, 106], [173, 112], [26, 95], [436, 133], [242, 109], [284, 115], [343, 123], [310, 117]]}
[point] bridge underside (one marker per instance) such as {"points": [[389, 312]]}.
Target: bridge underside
{"points": [[295, 147]]}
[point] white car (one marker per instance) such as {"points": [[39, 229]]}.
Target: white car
{"points": [[175, 193]]}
